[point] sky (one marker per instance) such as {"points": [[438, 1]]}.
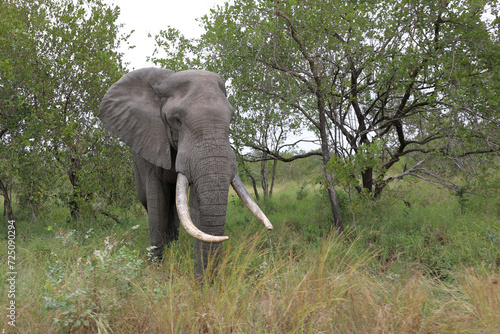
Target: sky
{"points": [[151, 16]]}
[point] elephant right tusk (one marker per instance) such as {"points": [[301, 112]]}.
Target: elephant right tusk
{"points": [[249, 202], [183, 212]]}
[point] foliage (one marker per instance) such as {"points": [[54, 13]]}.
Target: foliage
{"points": [[86, 306], [347, 169], [58, 59]]}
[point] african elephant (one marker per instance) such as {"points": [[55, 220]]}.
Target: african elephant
{"points": [[177, 126]]}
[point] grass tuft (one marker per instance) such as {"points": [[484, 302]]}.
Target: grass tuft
{"points": [[426, 268]]}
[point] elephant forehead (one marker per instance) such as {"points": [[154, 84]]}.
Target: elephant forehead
{"points": [[197, 75], [197, 82]]}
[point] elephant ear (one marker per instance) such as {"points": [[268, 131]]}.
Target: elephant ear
{"points": [[131, 110]]}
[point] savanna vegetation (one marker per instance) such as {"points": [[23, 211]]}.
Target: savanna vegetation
{"points": [[417, 260], [403, 98]]}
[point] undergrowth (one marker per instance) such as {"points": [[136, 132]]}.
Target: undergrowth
{"points": [[418, 261]]}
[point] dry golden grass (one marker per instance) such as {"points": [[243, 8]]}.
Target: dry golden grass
{"points": [[292, 280], [328, 289]]}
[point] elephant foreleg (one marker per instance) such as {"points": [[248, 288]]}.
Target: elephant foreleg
{"points": [[158, 198], [162, 217], [158, 217], [173, 218]]}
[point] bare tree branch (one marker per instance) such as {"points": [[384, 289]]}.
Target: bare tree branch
{"points": [[276, 156]]}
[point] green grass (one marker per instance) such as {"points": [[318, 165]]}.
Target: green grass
{"points": [[432, 267]]}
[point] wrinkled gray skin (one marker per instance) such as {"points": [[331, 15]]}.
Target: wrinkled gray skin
{"points": [[176, 122]]}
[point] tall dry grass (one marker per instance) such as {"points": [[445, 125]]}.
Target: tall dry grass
{"points": [[400, 271], [286, 288]]}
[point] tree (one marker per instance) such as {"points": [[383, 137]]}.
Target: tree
{"points": [[376, 80], [61, 58], [13, 110], [265, 131]]}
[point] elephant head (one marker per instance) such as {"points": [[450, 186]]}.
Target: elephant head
{"points": [[178, 124]]}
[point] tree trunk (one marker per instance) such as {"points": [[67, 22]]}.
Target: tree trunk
{"points": [[77, 196], [332, 194], [264, 177], [7, 201], [379, 186], [73, 179], [367, 177], [254, 182], [273, 177], [325, 153], [254, 185]]}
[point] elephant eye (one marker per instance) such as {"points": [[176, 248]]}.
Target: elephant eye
{"points": [[177, 120]]}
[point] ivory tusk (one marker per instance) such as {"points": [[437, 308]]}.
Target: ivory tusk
{"points": [[183, 212], [249, 202]]}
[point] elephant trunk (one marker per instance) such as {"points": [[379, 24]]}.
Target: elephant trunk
{"points": [[208, 202], [210, 179], [184, 216]]}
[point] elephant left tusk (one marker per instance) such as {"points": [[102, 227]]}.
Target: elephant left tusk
{"points": [[183, 212], [249, 202]]}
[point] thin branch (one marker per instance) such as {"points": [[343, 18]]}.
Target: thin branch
{"points": [[276, 156], [478, 152], [314, 141], [293, 104], [302, 48], [110, 215], [436, 181], [408, 172]]}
